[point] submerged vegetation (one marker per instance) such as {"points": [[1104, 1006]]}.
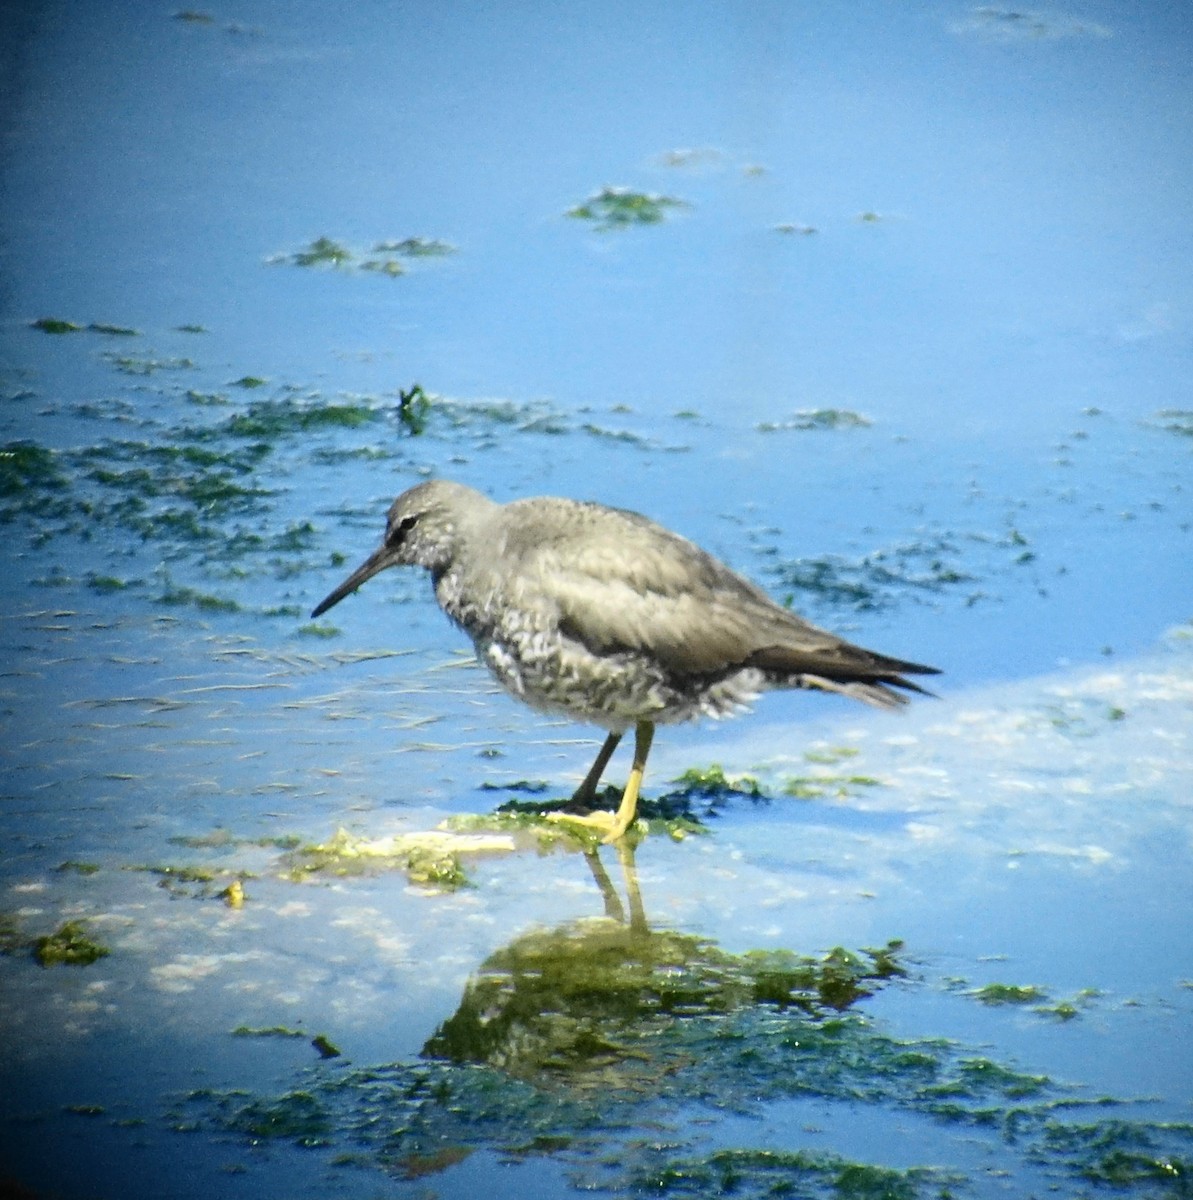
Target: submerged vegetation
{"points": [[818, 418], [69, 945], [570, 1041], [433, 860], [615, 208], [881, 578], [388, 257]]}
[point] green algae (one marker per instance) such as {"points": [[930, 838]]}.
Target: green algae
{"points": [[485, 417], [296, 1116], [712, 782], [314, 629], [701, 793], [197, 881], [143, 365], [73, 867], [570, 1042], [1009, 993], [596, 993], [269, 1031], [416, 247], [10, 934], [272, 419], [55, 325], [876, 580], [826, 786], [818, 418], [176, 595], [28, 467], [807, 1174], [1068, 1009], [414, 406], [385, 257], [113, 330], [325, 1047], [107, 584], [432, 860], [527, 821], [544, 821], [435, 869], [530, 787], [614, 208], [323, 251], [69, 945], [829, 755], [224, 839]]}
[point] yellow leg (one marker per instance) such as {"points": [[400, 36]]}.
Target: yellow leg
{"points": [[628, 809], [616, 823]]}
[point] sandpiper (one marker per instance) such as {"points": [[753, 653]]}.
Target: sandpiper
{"points": [[604, 616]]}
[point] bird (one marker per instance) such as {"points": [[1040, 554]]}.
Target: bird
{"points": [[604, 616]]}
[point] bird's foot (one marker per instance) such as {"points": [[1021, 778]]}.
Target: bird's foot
{"points": [[604, 822]]}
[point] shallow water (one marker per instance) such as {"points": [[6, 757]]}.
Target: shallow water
{"points": [[951, 422]]}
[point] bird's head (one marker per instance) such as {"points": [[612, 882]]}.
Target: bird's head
{"points": [[422, 529]]}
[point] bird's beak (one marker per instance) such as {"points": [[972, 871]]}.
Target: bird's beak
{"points": [[377, 561]]}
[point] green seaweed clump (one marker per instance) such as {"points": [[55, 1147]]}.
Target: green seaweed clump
{"points": [[55, 325], [58, 325], [10, 935], [876, 580], [432, 859], [712, 781], [818, 418], [79, 868], [321, 252], [810, 1175], [278, 418], [619, 208], [325, 1046], [414, 406], [820, 787], [416, 247], [68, 945], [385, 258], [835, 981], [25, 466], [297, 1116], [434, 869], [995, 994]]}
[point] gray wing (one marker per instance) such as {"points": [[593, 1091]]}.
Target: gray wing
{"points": [[624, 583]]}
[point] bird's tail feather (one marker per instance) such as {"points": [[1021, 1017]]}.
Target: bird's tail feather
{"points": [[881, 694]]}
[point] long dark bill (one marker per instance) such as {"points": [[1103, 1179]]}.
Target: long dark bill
{"points": [[377, 561]]}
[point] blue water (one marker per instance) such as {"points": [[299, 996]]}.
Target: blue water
{"points": [[996, 280]]}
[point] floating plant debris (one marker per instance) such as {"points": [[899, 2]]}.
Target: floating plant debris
{"points": [[69, 945], [385, 257], [818, 418], [619, 208]]}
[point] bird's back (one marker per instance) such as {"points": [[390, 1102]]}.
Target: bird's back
{"points": [[573, 581]]}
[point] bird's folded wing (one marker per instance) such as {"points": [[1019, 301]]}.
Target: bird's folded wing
{"points": [[688, 611]]}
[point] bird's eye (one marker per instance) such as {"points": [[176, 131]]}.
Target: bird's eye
{"points": [[398, 532]]}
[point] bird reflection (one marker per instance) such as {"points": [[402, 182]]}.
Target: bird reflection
{"points": [[596, 1002]]}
